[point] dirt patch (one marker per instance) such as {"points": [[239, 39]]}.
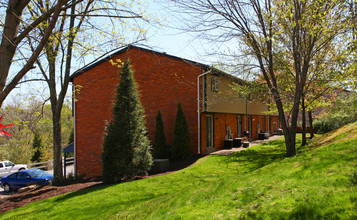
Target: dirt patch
{"points": [[40, 193], [9, 202]]}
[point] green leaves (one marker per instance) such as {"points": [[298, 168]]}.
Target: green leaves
{"points": [[181, 136], [126, 148], [161, 149]]}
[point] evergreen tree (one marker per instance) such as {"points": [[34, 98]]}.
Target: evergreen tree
{"points": [[160, 147], [126, 148], [71, 137], [37, 147], [181, 136]]}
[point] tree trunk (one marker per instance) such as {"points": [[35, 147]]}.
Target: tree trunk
{"points": [[289, 132], [57, 102], [290, 143], [311, 128], [290, 139], [303, 113], [292, 129], [57, 149]]}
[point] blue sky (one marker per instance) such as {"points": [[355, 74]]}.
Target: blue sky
{"points": [[168, 38]]}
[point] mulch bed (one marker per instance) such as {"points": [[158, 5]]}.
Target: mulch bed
{"points": [[43, 192]]}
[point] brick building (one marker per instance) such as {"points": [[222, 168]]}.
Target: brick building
{"points": [[163, 82]]}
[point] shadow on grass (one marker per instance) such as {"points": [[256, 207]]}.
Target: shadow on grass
{"points": [[258, 156], [84, 191]]}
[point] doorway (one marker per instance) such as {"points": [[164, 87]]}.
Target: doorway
{"points": [[239, 121], [209, 131], [250, 127]]}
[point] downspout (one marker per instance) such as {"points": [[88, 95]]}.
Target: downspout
{"points": [[198, 112], [74, 130]]}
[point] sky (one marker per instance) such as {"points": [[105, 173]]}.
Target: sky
{"points": [[168, 38]]}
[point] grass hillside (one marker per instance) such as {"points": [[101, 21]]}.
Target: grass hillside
{"points": [[257, 183]]}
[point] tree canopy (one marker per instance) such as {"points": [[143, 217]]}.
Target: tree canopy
{"points": [[126, 147], [283, 39]]}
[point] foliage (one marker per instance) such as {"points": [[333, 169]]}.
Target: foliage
{"points": [[343, 111], [181, 136], [30, 115], [37, 147], [18, 149], [126, 148], [256, 183], [283, 40], [72, 179], [161, 149]]}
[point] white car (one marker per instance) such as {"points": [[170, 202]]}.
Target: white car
{"points": [[8, 167]]}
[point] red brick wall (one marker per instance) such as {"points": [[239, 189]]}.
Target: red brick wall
{"points": [[162, 81], [219, 129], [222, 120], [220, 123]]}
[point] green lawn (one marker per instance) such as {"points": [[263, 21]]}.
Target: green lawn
{"points": [[257, 183]]}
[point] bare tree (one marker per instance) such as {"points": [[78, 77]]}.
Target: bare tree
{"points": [[17, 26], [267, 29], [71, 38]]}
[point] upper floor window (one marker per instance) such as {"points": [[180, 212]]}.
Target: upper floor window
{"points": [[214, 83]]}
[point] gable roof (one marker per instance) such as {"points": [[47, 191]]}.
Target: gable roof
{"points": [[106, 57]]}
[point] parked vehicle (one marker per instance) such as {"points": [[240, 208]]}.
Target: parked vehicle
{"points": [[25, 178], [8, 167]]}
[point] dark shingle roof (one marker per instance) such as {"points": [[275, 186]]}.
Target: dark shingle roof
{"points": [[107, 57], [124, 49]]}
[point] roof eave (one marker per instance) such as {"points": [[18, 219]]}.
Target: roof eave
{"points": [[105, 58]]}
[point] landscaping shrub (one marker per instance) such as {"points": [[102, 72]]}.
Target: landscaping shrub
{"points": [[344, 111], [181, 136], [126, 148], [37, 147], [160, 148]]}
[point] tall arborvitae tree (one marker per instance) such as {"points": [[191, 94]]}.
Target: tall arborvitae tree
{"points": [[126, 148], [181, 136], [160, 148], [37, 147]]}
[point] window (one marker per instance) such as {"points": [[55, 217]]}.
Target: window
{"points": [[8, 164], [214, 83], [1, 166], [22, 176], [239, 120], [275, 127], [13, 176]]}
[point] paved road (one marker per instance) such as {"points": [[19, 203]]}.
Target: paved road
{"points": [[69, 170]]}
